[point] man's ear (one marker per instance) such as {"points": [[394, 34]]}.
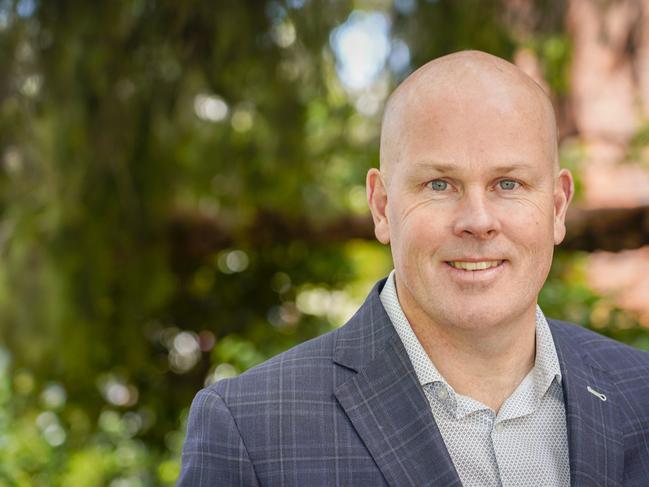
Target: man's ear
{"points": [[564, 189], [377, 198]]}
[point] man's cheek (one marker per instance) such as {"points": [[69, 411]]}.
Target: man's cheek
{"points": [[419, 244]]}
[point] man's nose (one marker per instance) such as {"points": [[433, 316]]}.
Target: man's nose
{"points": [[476, 216]]}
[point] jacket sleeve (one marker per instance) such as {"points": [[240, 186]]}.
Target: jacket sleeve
{"points": [[214, 452]]}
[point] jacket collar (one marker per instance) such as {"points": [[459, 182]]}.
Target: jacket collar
{"points": [[385, 403]]}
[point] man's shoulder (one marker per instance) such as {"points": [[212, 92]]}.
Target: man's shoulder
{"points": [[305, 368], [309, 369], [604, 353]]}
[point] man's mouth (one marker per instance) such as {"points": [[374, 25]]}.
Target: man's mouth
{"points": [[474, 266]]}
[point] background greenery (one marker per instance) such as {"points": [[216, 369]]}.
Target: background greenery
{"points": [[177, 183]]}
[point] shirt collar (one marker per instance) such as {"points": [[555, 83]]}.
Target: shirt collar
{"points": [[546, 363], [424, 368]]}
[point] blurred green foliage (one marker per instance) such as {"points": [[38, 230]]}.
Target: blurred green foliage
{"points": [[151, 153]]}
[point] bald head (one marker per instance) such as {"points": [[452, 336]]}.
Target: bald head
{"points": [[470, 84]]}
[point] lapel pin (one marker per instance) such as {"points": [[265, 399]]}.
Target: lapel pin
{"points": [[595, 393]]}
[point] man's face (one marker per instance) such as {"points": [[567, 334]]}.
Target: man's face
{"points": [[473, 211]]}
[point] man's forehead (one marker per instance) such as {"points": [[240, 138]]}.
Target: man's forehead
{"points": [[446, 167]]}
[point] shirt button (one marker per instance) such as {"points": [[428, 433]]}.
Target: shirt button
{"points": [[499, 427], [442, 393]]}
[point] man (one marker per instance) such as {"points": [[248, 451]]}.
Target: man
{"points": [[449, 374]]}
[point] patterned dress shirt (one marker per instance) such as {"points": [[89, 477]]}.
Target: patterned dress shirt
{"points": [[526, 443]]}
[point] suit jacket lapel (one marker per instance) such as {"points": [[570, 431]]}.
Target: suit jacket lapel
{"points": [[595, 441], [385, 403]]}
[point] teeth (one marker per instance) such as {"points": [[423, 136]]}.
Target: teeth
{"points": [[474, 266]]}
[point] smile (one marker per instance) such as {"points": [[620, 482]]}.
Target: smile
{"points": [[474, 266]]}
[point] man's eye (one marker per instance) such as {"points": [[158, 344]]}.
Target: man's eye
{"points": [[438, 185], [507, 184]]}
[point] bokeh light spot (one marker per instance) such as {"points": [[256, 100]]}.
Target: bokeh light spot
{"points": [[399, 60], [283, 34], [26, 8], [210, 108], [53, 396], [232, 261], [361, 46]]}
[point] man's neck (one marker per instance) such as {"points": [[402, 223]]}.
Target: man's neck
{"points": [[486, 365]]}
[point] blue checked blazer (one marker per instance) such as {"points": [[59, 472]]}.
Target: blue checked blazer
{"points": [[346, 409]]}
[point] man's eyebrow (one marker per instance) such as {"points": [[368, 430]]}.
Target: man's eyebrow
{"points": [[435, 165], [513, 167]]}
